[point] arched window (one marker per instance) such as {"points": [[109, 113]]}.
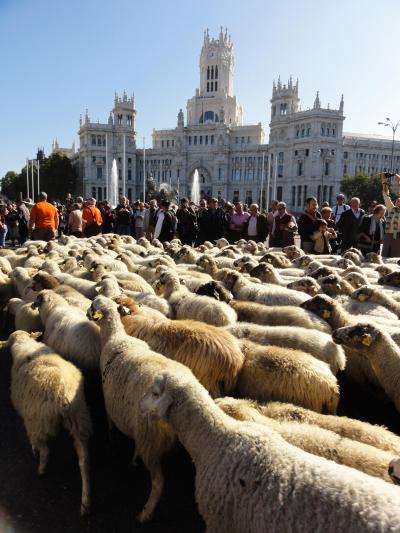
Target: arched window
{"points": [[212, 73], [208, 117], [216, 72], [208, 73]]}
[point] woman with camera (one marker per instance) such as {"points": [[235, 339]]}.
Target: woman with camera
{"points": [[391, 240]]}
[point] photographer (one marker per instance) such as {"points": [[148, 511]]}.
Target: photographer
{"points": [[391, 240]]}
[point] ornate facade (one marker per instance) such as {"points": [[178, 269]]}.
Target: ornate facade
{"points": [[307, 154]]}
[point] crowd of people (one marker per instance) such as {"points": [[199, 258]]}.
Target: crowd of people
{"points": [[330, 229]]}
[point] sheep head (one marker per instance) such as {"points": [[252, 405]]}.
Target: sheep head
{"points": [[344, 263], [100, 308], [307, 285], [372, 257], [363, 293], [263, 271], [230, 278], [43, 280], [359, 337], [394, 471], [293, 252], [355, 279], [302, 261], [321, 272], [321, 304], [331, 285], [158, 400], [127, 306], [47, 296], [390, 279]]}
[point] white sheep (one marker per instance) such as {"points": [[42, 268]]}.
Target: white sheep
{"points": [[248, 478], [25, 318], [284, 374], [46, 389], [128, 368], [68, 331], [242, 289], [318, 344]]}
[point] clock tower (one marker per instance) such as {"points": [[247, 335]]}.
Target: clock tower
{"points": [[214, 100]]}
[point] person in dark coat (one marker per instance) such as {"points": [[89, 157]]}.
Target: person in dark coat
{"points": [[284, 228], [256, 226], [371, 230], [348, 224], [212, 222], [187, 222], [165, 223], [307, 224]]}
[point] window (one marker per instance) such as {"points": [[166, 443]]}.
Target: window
{"points": [[235, 198], [129, 194], [208, 87], [129, 120], [99, 193], [237, 140], [99, 173], [305, 194], [242, 140], [173, 142], [307, 152], [208, 72], [93, 139], [94, 192], [190, 139], [119, 119], [129, 160], [279, 194], [295, 152], [300, 168], [212, 86], [280, 157], [308, 132], [284, 109], [248, 140], [201, 139], [274, 110], [119, 174], [167, 144], [293, 195], [195, 139], [345, 155], [249, 198], [333, 133], [328, 131], [162, 144], [212, 73], [330, 194], [280, 171], [345, 170], [216, 86], [219, 173], [129, 174], [297, 133], [216, 72], [93, 159], [212, 139], [326, 168], [322, 131], [206, 139], [303, 132], [177, 173]]}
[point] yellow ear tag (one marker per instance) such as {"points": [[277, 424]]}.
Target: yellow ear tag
{"points": [[3, 344], [35, 334], [366, 340], [326, 314], [92, 270], [361, 298], [98, 315]]}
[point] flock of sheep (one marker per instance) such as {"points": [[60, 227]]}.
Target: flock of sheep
{"points": [[233, 350]]}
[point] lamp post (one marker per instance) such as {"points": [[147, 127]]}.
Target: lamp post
{"points": [[393, 127]]}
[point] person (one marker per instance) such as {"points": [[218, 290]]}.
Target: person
{"points": [[391, 240], [348, 224], [371, 231], [307, 224], [123, 214], [321, 237], [238, 222], [43, 222], [256, 226], [3, 226], [139, 220], [23, 221], [165, 223], [187, 222], [340, 207], [75, 221], [12, 223], [284, 227], [150, 219], [327, 215], [211, 221], [272, 214], [91, 219], [371, 207]]}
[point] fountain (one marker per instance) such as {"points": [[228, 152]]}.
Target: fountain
{"points": [[113, 192], [195, 193]]}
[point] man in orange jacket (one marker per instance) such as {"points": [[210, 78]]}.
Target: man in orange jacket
{"points": [[91, 219], [43, 222]]}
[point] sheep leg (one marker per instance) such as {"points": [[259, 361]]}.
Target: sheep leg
{"points": [[157, 485], [43, 456], [82, 452]]}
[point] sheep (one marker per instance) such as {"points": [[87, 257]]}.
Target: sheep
{"points": [[210, 267], [186, 305], [5, 266], [68, 331], [84, 286], [305, 284], [380, 350], [133, 283], [319, 344], [268, 274], [315, 440], [128, 368], [276, 373], [248, 478], [25, 318], [277, 261], [46, 389], [242, 289], [377, 296], [21, 278], [216, 290], [278, 316], [303, 261], [43, 280], [293, 252], [356, 279], [392, 279], [376, 436], [372, 257], [213, 354], [353, 256]]}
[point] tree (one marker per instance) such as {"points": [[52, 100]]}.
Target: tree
{"points": [[363, 186], [11, 184], [57, 176]]}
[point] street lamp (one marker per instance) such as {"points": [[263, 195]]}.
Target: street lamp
{"points": [[393, 128]]}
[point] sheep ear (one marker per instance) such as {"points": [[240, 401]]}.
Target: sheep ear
{"points": [[35, 334], [367, 339], [182, 281], [162, 400]]}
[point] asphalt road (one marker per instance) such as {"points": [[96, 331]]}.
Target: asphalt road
{"points": [[29, 504]]}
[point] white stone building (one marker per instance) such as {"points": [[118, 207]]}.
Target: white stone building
{"points": [[307, 154]]}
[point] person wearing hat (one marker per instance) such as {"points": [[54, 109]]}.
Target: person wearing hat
{"points": [[165, 223], [91, 219]]}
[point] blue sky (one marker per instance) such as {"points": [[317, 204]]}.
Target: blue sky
{"points": [[58, 57]]}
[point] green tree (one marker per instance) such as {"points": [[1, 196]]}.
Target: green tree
{"points": [[363, 186], [57, 176], [11, 184]]}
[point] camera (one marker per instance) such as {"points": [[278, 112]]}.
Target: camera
{"points": [[389, 175]]}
